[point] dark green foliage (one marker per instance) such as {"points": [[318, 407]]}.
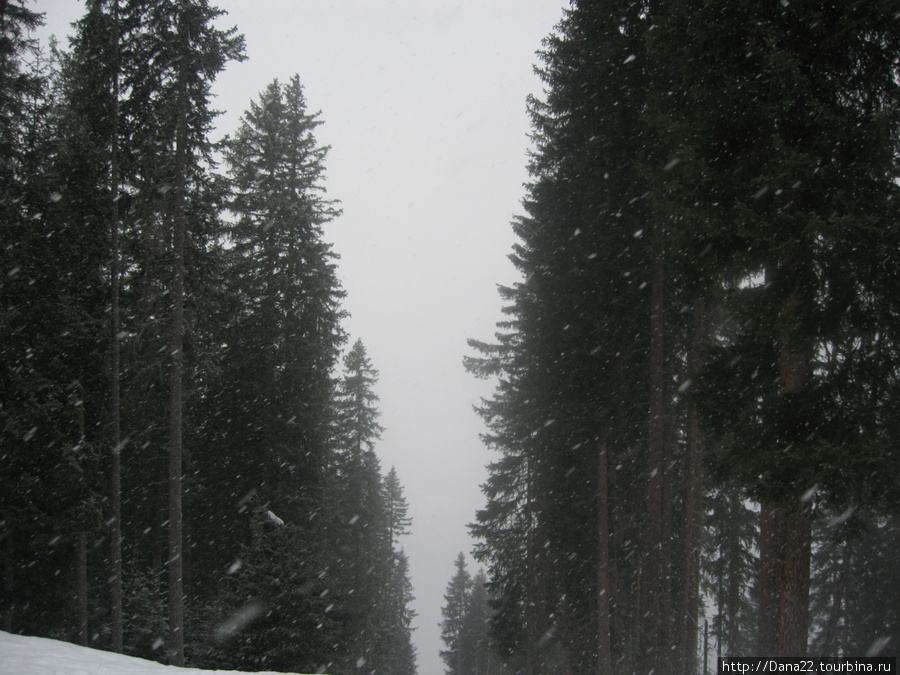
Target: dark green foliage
{"points": [[788, 159], [729, 568], [278, 609], [284, 335], [398, 655], [368, 515], [50, 312], [454, 611], [573, 359], [855, 584], [688, 156], [465, 627], [144, 610], [263, 432]]}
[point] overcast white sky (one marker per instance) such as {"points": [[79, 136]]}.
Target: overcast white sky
{"points": [[423, 104]]}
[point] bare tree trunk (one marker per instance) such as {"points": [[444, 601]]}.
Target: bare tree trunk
{"points": [[794, 587], [115, 470], [604, 649], [81, 584], [81, 541], [616, 586], [9, 588], [767, 580], [176, 371], [795, 521], [651, 575], [688, 619], [667, 535], [829, 632]]}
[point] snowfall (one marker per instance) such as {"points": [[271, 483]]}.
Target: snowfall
{"points": [[38, 656]]}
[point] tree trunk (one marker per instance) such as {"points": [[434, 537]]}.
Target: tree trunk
{"points": [[81, 583], [767, 581], [667, 535], [688, 619], [176, 371], [651, 576], [793, 619], [830, 631], [604, 653], [616, 587], [81, 541], [9, 588], [794, 531], [115, 470]]}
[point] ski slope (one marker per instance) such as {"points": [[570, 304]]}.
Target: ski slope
{"points": [[21, 655]]}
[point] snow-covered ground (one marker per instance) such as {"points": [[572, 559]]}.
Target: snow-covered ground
{"points": [[38, 656]]}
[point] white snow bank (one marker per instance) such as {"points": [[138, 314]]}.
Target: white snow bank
{"points": [[38, 656]]}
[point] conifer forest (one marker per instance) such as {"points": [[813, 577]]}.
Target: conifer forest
{"points": [[692, 436]]}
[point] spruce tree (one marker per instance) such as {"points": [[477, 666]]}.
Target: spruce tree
{"points": [[15, 20], [788, 163], [285, 334], [582, 412], [729, 568], [456, 599], [184, 53], [365, 553], [52, 306], [273, 427], [398, 655], [91, 79], [399, 520]]}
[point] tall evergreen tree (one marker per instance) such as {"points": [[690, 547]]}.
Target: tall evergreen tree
{"points": [[475, 629], [15, 20], [669, 205], [93, 171], [582, 411], [272, 434], [456, 600], [465, 629], [285, 335], [398, 655], [729, 568], [52, 307], [789, 160], [185, 53], [365, 549]]}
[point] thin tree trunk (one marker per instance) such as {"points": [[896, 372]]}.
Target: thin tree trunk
{"points": [[81, 583], [829, 632], [160, 524], [115, 487], [667, 535], [767, 581], [81, 541], [9, 588], [795, 521], [604, 652], [651, 576], [176, 371], [693, 507], [734, 590], [616, 589]]}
